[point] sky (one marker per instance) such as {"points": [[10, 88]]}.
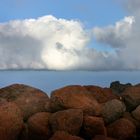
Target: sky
{"points": [[70, 35], [90, 12]]}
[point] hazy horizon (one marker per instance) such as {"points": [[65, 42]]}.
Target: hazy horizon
{"points": [[51, 80]]}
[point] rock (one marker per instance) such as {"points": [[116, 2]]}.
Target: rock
{"points": [[102, 137], [137, 85], [67, 120], [94, 89], [93, 126], [102, 95], [38, 126], [136, 113], [2, 101], [74, 97], [62, 135], [118, 88], [112, 110], [131, 97], [24, 133], [128, 116], [11, 121], [122, 129], [30, 100]]}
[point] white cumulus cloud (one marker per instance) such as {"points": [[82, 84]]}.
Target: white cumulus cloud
{"points": [[43, 43], [59, 44], [47, 43], [124, 37], [115, 35]]}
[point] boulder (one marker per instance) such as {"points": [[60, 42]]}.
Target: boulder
{"points": [[30, 100], [24, 133], [122, 129], [136, 113], [128, 115], [2, 101], [119, 88], [112, 110], [93, 126], [62, 135], [102, 137], [93, 89], [38, 126], [74, 97], [11, 121], [102, 95], [131, 97], [137, 85], [67, 120]]}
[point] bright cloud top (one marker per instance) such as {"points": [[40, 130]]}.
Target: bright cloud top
{"points": [[48, 43], [43, 43]]}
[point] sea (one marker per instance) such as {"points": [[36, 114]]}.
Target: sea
{"points": [[51, 80]]}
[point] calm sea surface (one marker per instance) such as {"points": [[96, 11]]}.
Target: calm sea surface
{"points": [[50, 80]]}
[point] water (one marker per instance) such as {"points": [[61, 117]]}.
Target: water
{"points": [[51, 80]]}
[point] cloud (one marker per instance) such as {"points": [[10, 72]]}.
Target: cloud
{"points": [[60, 44], [132, 6], [124, 37], [47, 43], [115, 35]]}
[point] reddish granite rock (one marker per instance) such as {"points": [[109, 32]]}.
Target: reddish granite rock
{"points": [[102, 95], [30, 100], [74, 97], [136, 113], [131, 97], [11, 121], [102, 137], [24, 133], [127, 115], [61, 135], [38, 126], [112, 110], [122, 129], [67, 120], [93, 89], [2, 101], [93, 126]]}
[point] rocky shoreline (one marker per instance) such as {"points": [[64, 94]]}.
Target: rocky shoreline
{"points": [[71, 113]]}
